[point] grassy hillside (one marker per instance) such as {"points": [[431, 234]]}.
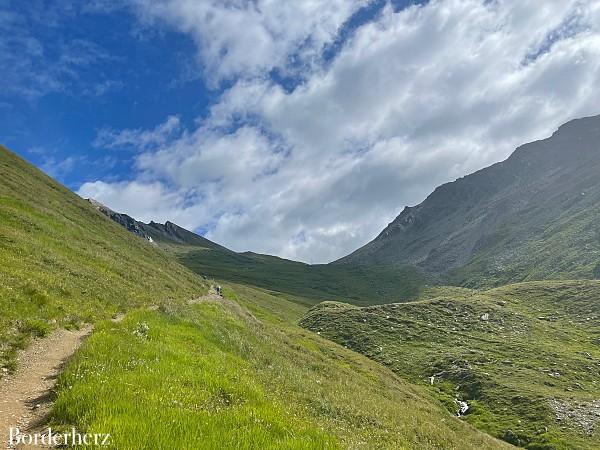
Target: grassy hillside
{"points": [[362, 285], [525, 357], [63, 263], [311, 283], [234, 373], [567, 246], [238, 374]]}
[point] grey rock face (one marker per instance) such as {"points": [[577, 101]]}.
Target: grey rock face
{"points": [[155, 232]]}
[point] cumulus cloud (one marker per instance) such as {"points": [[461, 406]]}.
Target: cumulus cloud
{"points": [[413, 99], [248, 38]]}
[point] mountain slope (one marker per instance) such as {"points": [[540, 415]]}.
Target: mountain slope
{"points": [[534, 216], [309, 283], [63, 263], [526, 358], [168, 233], [198, 371], [212, 375]]}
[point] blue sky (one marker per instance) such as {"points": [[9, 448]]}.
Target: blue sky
{"points": [[131, 77], [124, 78], [292, 128]]}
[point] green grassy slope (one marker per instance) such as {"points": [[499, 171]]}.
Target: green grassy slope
{"points": [[213, 375], [235, 373], [63, 263], [535, 358], [311, 283], [566, 247]]}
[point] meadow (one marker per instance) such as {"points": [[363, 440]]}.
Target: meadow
{"points": [[238, 373], [525, 357], [182, 371], [62, 263]]}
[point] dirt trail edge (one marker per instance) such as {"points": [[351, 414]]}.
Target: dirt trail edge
{"points": [[26, 395], [234, 307]]}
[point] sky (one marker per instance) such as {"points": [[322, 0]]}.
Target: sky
{"points": [[293, 128]]}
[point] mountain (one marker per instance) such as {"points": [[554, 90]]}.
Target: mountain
{"points": [[524, 358], [308, 283], [168, 233], [534, 216], [182, 368]]}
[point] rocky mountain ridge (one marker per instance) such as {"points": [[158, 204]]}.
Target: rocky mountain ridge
{"points": [[533, 216], [155, 232]]}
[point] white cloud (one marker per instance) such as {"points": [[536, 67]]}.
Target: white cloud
{"points": [[413, 99], [250, 37], [235, 159], [138, 138]]}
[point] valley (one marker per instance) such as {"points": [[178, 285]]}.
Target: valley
{"points": [[472, 321], [223, 374]]}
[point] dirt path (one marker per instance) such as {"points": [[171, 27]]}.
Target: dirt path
{"points": [[26, 395], [211, 297], [234, 307]]}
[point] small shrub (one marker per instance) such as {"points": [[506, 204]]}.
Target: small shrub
{"points": [[141, 330]]}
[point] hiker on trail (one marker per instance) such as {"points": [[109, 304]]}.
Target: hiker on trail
{"points": [[219, 291]]}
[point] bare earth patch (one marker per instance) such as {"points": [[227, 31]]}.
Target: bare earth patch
{"points": [[26, 395]]}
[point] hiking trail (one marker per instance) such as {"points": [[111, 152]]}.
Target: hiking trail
{"points": [[26, 394]]}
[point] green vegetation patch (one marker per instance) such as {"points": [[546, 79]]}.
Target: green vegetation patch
{"points": [[526, 358], [63, 263], [313, 283], [213, 375]]}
